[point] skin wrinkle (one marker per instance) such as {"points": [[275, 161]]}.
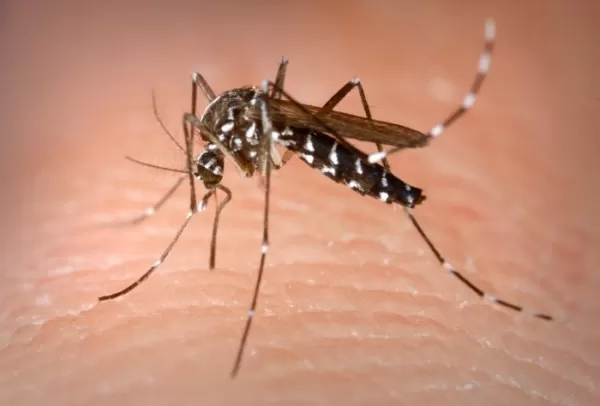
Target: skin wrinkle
{"points": [[353, 309]]}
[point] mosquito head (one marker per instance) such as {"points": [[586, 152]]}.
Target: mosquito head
{"points": [[209, 167]]}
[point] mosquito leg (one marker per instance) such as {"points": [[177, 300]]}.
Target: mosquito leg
{"points": [[206, 134], [485, 60], [450, 268], [193, 209], [213, 240], [155, 207], [279, 79], [198, 82], [150, 211], [164, 255], [267, 126], [343, 92]]}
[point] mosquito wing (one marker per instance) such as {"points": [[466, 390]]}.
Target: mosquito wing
{"points": [[346, 125]]}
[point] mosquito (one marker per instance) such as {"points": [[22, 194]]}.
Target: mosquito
{"points": [[244, 126]]}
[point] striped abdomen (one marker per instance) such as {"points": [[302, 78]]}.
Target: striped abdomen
{"points": [[346, 166]]}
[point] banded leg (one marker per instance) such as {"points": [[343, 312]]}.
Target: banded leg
{"points": [[485, 60], [267, 143], [197, 78], [277, 92], [150, 211], [341, 140], [193, 209], [188, 216], [343, 92], [463, 279], [198, 82]]}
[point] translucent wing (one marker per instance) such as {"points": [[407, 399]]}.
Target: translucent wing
{"points": [[289, 113]]}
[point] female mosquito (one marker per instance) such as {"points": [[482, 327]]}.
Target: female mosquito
{"points": [[244, 125]]}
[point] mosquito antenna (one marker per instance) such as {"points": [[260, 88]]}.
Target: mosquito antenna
{"points": [[149, 165], [162, 124], [194, 206]]}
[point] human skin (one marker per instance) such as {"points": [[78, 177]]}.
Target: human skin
{"points": [[353, 309]]}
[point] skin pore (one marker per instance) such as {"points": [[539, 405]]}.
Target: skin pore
{"points": [[353, 308]]}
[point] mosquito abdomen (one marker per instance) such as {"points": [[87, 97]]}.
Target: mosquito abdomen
{"points": [[347, 166]]}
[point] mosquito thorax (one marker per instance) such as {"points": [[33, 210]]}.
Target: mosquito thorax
{"points": [[229, 117]]}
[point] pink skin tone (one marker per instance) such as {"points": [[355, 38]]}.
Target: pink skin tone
{"points": [[354, 309]]}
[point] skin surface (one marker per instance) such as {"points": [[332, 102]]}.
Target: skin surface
{"points": [[354, 310]]}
